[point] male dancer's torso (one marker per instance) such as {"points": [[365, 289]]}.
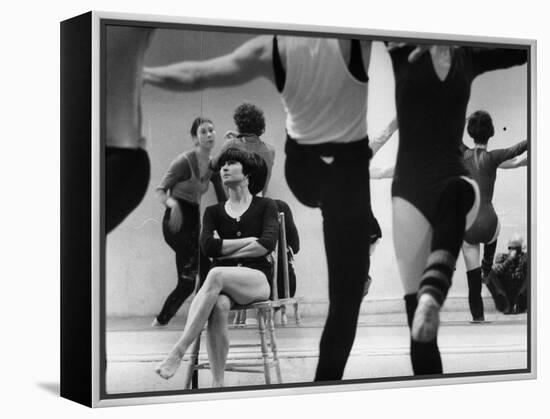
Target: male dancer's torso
{"points": [[126, 48]]}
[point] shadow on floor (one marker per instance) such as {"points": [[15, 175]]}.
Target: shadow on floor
{"points": [[50, 388]]}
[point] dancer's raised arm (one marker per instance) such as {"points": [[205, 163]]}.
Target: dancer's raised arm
{"points": [[247, 62], [377, 142], [518, 161]]}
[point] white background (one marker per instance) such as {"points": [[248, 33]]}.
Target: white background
{"points": [[30, 207]]}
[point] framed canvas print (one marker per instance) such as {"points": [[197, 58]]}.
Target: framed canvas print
{"points": [[257, 210]]}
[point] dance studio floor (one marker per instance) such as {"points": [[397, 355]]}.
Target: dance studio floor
{"points": [[380, 349]]}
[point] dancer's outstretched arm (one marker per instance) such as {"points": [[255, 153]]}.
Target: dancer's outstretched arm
{"points": [[377, 142], [251, 60], [503, 154], [517, 161], [382, 172]]}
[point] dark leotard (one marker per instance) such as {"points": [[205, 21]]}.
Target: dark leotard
{"points": [[483, 165], [431, 117]]}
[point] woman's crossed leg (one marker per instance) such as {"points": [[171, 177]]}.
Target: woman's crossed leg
{"points": [[243, 285]]}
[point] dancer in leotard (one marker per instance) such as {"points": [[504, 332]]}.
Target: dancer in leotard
{"points": [[482, 165], [433, 199], [323, 83], [180, 191]]}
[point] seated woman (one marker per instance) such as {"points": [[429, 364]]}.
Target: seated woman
{"points": [[238, 234]]}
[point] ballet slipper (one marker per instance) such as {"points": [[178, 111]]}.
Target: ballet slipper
{"points": [[426, 319]]}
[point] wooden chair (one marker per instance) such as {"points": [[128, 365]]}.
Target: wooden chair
{"points": [[266, 326], [287, 300], [240, 316]]}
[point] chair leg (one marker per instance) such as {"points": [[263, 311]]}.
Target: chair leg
{"points": [[239, 319], [284, 319], [265, 353], [297, 316], [191, 373], [273, 342]]}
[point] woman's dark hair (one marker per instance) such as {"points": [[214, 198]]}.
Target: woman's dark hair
{"points": [[249, 119], [253, 166], [480, 127], [257, 182], [199, 120]]}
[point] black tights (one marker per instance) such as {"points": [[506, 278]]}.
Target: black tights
{"points": [[185, 244], [475, 281], [489, 250], [340, 188], [448, 233], [474, 294], [425, 357]]}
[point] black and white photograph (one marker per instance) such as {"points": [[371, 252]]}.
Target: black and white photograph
{"points": [[298, 209], [289, 208]]}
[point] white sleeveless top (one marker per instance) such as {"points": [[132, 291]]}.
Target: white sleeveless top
{"points": [[323, 101]]}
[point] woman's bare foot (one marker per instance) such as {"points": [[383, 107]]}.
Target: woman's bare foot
{"points": [[167, 368], [426, 319]]}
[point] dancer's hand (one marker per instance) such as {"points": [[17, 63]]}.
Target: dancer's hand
{"points": [[229, 135], [146, 76], [174, 223]]}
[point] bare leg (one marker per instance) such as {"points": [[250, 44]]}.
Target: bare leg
{"points": [[471, 253], [243, 285], [412, 236], [217, 341], [412, 240], [199, 312]]}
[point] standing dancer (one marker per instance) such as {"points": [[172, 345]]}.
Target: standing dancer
{"points": [[323, 84], [433, 199], [180, 191], [482, 165], [127, 167]]}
